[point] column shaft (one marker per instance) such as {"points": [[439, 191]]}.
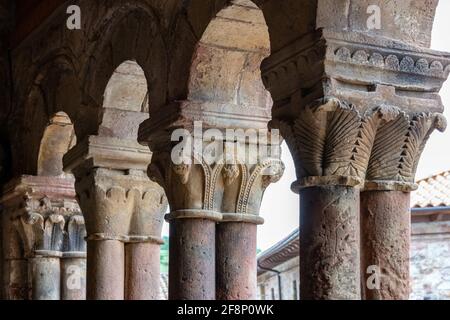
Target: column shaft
{"points": [[45, 276], [105, 270], [236, 261], [192, 259], [386, 232], [16, 279], [142, 271], [73, 278], [329, 243]]}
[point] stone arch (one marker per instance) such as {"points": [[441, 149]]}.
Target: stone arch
{"points": [[225, 67], [132, 34], [55, 88], [286, 21], [58, 138], [125, 102]]}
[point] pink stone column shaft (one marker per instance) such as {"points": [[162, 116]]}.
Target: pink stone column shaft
{"points": [[142, 280], [192, 259], [236, 263], [386, 232], [105, 270], [329, 243]]}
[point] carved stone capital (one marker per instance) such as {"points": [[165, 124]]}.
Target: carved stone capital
{"points": [[245, 187], [331, 142], [226, 185], [334, 143], [38, 209], [75, 244], [118, 200], [121, 206], [397, 149]]}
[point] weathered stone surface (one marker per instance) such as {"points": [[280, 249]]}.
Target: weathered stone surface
{"points": [[290, 282], [38, 223], [385, 231], [142, 271], [45, 273], [355, 104], [105, 270], [430, 261], [236, 268], [73, 277], [193, 278], [330, 243]]}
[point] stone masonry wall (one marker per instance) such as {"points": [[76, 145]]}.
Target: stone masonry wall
{"points": [[430, 261]]}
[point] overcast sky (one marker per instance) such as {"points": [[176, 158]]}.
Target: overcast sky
{"points": [[280, 207]]}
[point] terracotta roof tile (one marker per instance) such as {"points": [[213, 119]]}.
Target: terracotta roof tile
{"points": [[433, 191]]}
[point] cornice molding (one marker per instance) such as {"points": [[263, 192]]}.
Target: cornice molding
{"points": [[112, 153]]}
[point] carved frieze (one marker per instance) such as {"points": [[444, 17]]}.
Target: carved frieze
{"points": [[327, 63]]}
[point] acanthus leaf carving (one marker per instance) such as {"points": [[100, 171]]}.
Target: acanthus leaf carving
{"points": [[399, 144], [332, 138]]}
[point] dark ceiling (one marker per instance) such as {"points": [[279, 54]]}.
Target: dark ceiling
{"points": [[29, 15]]}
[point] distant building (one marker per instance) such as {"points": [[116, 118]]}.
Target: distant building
{"points": [[430, 249]]}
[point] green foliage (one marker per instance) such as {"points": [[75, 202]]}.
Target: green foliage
{"points": [[164, 260]]}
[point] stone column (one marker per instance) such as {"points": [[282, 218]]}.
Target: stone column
{"points": [[45, 274], [385, 204], [121, 206], [236, 262], [43, 242], [236, 258], [73, 276], [192, 254], [329, 237], [105, 269], [386, 225], [73, 262], [194, 197], [142, 251], [15, 269], [332, 95], [142, 267], [330, 142]]}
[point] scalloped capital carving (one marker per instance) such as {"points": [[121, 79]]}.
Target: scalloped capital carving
{"points": [[121, 206]]}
